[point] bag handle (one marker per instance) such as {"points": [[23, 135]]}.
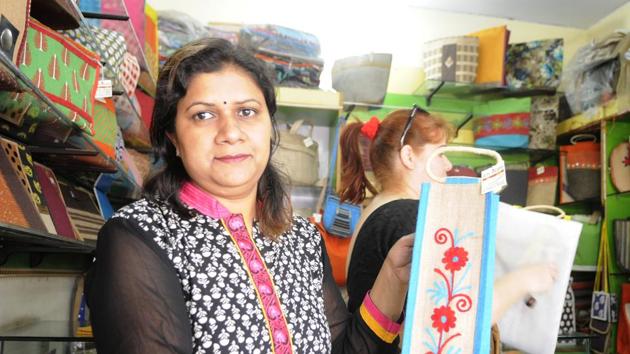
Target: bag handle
{"points": [[472, 150], [298, 124], [582, 137], [601, 277], [561, 213]]}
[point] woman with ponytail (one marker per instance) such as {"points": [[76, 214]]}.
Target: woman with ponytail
{"points": [[398, 149], [212, 260]]}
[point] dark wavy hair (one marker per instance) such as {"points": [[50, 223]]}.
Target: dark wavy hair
{"points": [[210, 55]]}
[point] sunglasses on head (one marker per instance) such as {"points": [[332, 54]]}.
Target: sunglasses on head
{"points": [[414, 110]]}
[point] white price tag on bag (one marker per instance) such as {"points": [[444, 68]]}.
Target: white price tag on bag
{"points": [[308, 142], [104, 89], [493, 179]]}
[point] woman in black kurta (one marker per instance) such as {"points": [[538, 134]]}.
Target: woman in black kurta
{"points": [[212, 259]]}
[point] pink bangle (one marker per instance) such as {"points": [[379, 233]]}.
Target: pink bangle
{"points": [[386, 329]]}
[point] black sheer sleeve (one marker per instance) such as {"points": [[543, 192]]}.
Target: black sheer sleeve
{"points": [[135, 298], [382, 229], [350, 333]]}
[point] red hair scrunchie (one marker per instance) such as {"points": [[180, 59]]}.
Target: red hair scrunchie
{"points": [[370, 128]]}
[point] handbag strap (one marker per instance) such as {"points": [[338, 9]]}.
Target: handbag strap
{"points": [[601, 277], [606, 255], [333, 157], [582, 137], [561, 213], [298, 124]]}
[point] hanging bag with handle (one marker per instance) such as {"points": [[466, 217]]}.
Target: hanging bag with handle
{"points": [[580, 165], [297, 155], [524, 238], [336, 247], [600, 323], [340, 218], [449, 304]]}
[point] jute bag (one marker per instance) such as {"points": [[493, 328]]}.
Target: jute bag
{"points": [[580, 169], [525, 237], [449, 304], [452, 59], [542, 185], [297, 155]]}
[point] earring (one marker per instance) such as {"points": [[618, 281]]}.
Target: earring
{"points": [[176, 152]]}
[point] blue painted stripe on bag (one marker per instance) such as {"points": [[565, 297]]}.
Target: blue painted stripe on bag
{"points": [[462, 180], [486, 281], [425, 189]]}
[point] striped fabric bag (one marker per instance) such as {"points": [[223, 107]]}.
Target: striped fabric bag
{"points": [[449, 305], [452, 59], [83, 210]]}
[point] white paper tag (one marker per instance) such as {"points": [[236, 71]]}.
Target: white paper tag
{"points": [[540, 170], [493, 179], [308, 142], [104, 89]]}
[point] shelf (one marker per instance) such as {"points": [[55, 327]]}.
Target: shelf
{"points": [[535, 155], [591, 120], [15, 236], [590, 201], [433, 89], [619, 194], [583, 268], [15, 239], [43, 331], [322, 108]]}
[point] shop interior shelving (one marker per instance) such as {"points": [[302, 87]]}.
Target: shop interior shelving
{"points": [[431, 89], [322, 108], [66, 154]]}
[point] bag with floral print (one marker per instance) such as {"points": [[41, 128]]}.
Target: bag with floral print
{"points": [[450, 288]]}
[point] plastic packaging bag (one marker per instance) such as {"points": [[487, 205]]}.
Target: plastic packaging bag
{"points": [[176, 29], [591, 78]]}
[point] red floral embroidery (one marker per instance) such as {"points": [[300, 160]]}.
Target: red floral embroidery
{"points": [[455, 258], [443, 319], [626, 159]]}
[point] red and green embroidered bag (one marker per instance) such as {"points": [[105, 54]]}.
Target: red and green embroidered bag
{"points": [[64, 70]]}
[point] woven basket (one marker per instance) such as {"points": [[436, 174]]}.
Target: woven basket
{"points": [[452, 59]]}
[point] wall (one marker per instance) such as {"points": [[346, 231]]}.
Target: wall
{"points": [[353, 27], [620, 19]]}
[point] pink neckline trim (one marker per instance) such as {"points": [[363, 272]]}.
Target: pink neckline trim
{"points": [[201, 200]]}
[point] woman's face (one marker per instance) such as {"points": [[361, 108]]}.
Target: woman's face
{"points": [[223, 132]]}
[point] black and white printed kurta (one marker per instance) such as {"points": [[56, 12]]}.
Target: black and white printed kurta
{"points": [[166, 284]]}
